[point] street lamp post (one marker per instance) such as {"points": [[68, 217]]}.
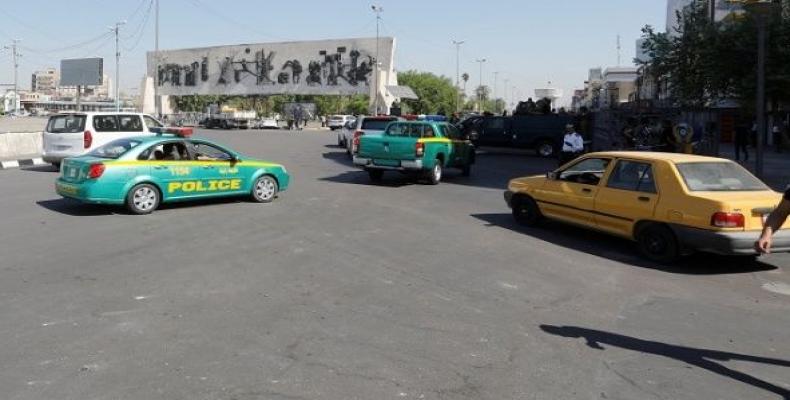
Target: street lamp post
{"points": [[762, 11], [378, 10], [15, 55], [504, 100], [458, 73], [480, 88], [115, 30]]}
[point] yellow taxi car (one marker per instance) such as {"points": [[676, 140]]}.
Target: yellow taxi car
{"points": [[670, 204]]}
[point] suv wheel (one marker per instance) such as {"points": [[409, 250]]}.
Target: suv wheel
{"points": [[546, 149]]}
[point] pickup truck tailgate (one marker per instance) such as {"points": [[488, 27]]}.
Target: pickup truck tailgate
{"points": [[387, 148]]}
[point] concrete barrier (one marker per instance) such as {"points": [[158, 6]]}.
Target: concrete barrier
{"points": [[14, 145]]}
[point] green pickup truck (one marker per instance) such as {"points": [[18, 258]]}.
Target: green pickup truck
{"points": [[423, 147]]}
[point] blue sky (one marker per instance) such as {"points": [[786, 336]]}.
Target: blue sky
{"points": [[530, 42]]}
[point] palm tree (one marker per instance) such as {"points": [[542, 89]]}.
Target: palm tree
{"points": [[465, 77]]}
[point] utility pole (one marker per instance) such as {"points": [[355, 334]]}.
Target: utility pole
{"points": [[712, 6], [458, 73], [507, 81], [15, 56], [157, 100], [378, 10], [117, 65], [493, 95], [480, 88]]}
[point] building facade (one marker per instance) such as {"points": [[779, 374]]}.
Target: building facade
{"points": [[45, 81]]}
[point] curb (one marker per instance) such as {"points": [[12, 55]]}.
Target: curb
{"points": [[26, 162]]}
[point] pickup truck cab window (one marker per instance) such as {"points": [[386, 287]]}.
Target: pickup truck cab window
{"points": [[587, 172]]}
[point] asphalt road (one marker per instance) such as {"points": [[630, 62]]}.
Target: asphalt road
{"points": [[345, 290]]}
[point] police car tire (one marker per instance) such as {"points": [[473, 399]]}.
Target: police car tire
{"points": [[143, 189], [268, 192]]}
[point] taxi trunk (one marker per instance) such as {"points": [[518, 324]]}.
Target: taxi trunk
{"points": [[755, 206]]}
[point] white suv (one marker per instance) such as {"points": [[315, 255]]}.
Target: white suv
{"points": [[73, 134]]}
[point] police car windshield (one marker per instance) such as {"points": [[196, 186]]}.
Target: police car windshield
{"points": [[115, 149]]}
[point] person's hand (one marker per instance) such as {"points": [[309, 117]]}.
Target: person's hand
{"points": [[763, 245]]}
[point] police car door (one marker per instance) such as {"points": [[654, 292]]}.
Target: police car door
{"points": [[219, 173], [171, 171]]}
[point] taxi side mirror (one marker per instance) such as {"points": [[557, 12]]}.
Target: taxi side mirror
{"points": [[552, 176]]}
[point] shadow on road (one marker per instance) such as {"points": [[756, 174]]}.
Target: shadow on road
{"points": [[77, 209], [622, 250], [40, 168], [700, 358], [339, 157]]}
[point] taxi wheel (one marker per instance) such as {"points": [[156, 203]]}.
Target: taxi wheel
{"points": [[264, 190], [142, 199], [526, 211], [658, 243]]}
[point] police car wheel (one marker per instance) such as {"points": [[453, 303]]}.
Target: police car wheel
{"points": [[142, 199], [265, 189]]}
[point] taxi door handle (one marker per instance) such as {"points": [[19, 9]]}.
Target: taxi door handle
{"points": [[585, 190], [644, 198]]}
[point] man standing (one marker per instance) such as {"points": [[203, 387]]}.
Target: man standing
{"points": [[773, 224], [572, 145]]}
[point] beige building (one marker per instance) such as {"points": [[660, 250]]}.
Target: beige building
{"points": [[619, 85], [45, 81], [102, 91]]}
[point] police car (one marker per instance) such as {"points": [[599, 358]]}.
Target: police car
{"points": [[143, 172]]}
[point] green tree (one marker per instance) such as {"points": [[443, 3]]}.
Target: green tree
{"points": [[436, 93], [704, 62]]}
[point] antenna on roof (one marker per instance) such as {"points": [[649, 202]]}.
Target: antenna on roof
{"points": [[619, 51]]}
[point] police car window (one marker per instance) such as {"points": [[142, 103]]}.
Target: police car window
{"points": [[206, 152], [397, 130], [588, 172], [130, 123], [633, 176], [105, 123], [151, 123], [427, 131], [115, 149]]}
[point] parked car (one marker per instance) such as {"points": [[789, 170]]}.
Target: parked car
{"points": [[266, 123], [365, 126], [73, 134], [337, 121], [424, 147], [341, 136], [670, 204]]}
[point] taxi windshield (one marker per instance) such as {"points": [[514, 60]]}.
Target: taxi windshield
{"points": [[115, 149], [718, 177]]}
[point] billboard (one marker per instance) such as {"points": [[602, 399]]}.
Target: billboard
{"points": [[323, 67], [81, 72]]}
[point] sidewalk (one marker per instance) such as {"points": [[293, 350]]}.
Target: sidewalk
{"points": [[776, 165]]}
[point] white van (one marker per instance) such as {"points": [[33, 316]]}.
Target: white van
{"points": [[73, 134]]}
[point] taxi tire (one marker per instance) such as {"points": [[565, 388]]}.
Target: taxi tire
{"points": [[526, 211], [264, 199], [143, 211], [658, 244]]}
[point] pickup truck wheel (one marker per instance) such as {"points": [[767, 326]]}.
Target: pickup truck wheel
{"points": [[526, 211], [546, 149], [142, 199], [435, 174], [264, 190], [375, 175], [658, 243]]}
